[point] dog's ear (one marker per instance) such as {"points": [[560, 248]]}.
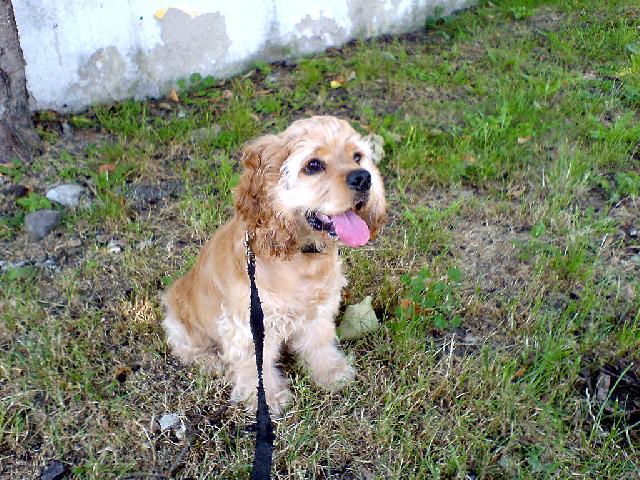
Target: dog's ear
{"points": [[273, 231]]}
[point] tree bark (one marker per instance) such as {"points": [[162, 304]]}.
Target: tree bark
{"points": [[18, 138]]}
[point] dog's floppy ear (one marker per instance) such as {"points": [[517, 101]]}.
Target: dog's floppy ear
{"points": [[272, 230]]}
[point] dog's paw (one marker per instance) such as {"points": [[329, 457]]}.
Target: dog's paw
{"points": [[244, 394], [334, 377], [278, 400], [278, 396]]}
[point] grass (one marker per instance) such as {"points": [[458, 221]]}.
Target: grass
{"points": [[506, 281]]}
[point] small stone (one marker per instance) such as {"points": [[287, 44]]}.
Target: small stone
{"points": [[70, 195], [67, 131], [171, 421], [103, 238], [55, 470], [114, 246], [206, 134], [272, 78], [168, 420], [636, 259], [40, 223], [164, 106]]}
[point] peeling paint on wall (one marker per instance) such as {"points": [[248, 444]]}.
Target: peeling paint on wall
{"points": [[315, 34], [191, 42], [80, 52], [100, 76]]}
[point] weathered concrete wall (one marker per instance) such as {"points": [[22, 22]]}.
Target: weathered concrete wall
{"points": [[80, 52]]}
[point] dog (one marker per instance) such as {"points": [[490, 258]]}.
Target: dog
{"points": [[301, 194]]}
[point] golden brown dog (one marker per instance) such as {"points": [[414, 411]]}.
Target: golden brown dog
{"points": [[302, 193]]}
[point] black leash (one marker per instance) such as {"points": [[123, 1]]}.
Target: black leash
{"points": [[264, 428]]}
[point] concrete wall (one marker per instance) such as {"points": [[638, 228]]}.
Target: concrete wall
{"points": [[80, 52]]}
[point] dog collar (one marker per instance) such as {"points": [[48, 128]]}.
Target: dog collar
{"points": [[312, 248]]}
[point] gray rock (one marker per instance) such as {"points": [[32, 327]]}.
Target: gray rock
{"points": [[40, 223], [55, 470], [114, 246], [168, 420], [206, 134], [70, 195], [67, 131], [272, 78], [171, 421]]}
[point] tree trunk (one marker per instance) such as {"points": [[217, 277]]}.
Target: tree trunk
{"points": [[18, 138]]}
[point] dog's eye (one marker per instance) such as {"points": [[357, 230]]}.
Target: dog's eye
{"points": [[357, 157], [314, 166]]}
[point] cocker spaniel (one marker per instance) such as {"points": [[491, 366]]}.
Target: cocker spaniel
{"points": [[302, 193]]}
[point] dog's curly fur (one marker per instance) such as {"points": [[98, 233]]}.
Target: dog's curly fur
{"points": [[207, 315]]}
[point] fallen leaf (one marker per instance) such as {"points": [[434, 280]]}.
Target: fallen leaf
{"points": [[358, 319], [522, 140], [164, 106], [173, 96], [520, 373], [160, 13], [106, 167], [405, 303], [470, 158], [337, 83], [227, 94]]}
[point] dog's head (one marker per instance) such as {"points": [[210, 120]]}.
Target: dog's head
{"points": [[314, 183]]}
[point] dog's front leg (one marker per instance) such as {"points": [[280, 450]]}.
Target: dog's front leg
{"points": [[315, 342], [245, 377]]}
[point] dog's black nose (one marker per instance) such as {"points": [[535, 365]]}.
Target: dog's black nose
{"points": [[359, 180]]}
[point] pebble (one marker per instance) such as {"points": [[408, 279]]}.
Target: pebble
{"points": [[272, 78], [40, 223], [103, 238], [55, 470], [114, 246], [67, 131], [70, 195], [171, 421]]}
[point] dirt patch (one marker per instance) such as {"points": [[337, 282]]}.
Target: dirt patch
{"points": [[546, 20]]}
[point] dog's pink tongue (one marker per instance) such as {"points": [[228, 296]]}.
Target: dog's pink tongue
{"points": [[351, 229]]}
